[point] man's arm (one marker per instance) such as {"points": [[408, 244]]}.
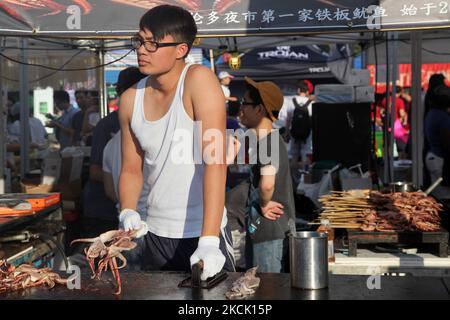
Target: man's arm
{"points": [[270, 209], [231, 99], [266, 184], [61, 127], [208, 109], [131, 177]]}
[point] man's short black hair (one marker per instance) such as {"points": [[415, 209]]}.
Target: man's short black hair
{"points": [[61, 95], [302, 86], [170, 20], [441, 99], [127, 78]]}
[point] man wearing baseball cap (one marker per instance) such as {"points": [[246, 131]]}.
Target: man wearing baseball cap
{"points": [[225, 80], [270, 204]]}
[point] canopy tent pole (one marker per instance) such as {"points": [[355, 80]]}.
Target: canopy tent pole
{"points": [[24, 111], [3, 114], [394, 76], [211, 59], [386, 125], [101, 83], [417, 111]]}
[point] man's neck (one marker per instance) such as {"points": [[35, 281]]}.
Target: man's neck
{"points": [[263, 128], [167, 82]]}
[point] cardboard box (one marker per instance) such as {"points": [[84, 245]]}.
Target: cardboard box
{"points": [[51, 169], [71, 164], [36, 188]]}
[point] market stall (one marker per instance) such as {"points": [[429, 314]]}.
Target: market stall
{"points": [[117, 19]]}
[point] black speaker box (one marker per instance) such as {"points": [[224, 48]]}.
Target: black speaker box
{"points": [[341, 132]]}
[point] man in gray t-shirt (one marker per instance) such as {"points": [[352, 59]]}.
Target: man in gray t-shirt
{"points": [[270, 205]]}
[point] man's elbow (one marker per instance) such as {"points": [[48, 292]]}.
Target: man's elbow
{"points": [[216, 164]]}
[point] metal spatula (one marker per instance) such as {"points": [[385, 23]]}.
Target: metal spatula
{"points": [[194, 281]]}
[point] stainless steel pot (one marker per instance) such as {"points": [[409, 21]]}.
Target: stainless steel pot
{"points": [[309, 260], [402, 187]]}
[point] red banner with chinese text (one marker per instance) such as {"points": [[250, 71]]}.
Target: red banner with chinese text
{"points": [[405, 75]]}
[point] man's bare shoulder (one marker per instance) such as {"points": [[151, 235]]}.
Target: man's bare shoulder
{"points": [[127, 100], [198, 73], [200, 80]]}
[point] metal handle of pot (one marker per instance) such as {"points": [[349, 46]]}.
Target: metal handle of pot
{"points": [[433, 186]]}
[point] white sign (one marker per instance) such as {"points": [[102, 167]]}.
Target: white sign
{"points": [[43, 104]]}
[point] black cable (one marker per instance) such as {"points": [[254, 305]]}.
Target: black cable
{"points": [[112, 48], [9, 79], [435, 52], [50, 74], [429, 50], [91, 46], [59, 69], [112, 56], [39, 49]]}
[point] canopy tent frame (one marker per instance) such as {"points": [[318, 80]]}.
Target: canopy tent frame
{"points": [[415, 50]]}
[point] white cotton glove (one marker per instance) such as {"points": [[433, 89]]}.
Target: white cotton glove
{"points": [[131, 220], [208, 251]]}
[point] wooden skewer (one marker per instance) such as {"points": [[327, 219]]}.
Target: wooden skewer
{"points": [[343, 214], [348, 216], [345, 209], [336, 202], [340, 203]]}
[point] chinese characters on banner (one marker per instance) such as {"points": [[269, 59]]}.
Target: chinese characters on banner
{"points": [[318, 16], [224, 17]]}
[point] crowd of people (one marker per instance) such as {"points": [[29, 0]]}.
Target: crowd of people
{"points": [[436, 152]]}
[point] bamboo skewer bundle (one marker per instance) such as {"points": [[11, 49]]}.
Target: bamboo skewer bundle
{"points": [[374, 211], [345, 209]]}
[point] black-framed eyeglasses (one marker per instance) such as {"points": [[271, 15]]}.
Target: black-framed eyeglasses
{"points": [[242, 102], [149, 45]]}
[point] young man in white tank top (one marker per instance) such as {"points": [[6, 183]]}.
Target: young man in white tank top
{"points": [[185, 218]]}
